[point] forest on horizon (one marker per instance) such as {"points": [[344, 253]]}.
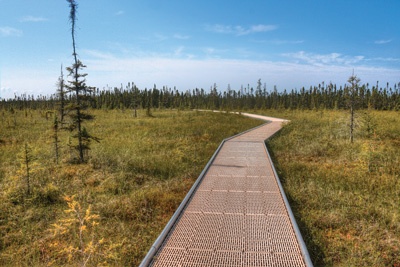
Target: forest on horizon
{"points": [[323, 96]]}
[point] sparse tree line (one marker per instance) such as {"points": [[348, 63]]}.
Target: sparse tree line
{"points": [[323, 96]]}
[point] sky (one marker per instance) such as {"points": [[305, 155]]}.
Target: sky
{"points": [[195, 44]]}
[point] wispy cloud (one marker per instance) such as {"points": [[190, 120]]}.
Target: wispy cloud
{"points": [[211, 52], [240, 30], [324, 59], [160, 37], [120, 47], [379, 42], [282, 42], [156, 37], [202, 73], [384, 59], [98, 54], [9, 31], [178, 51], [119, 13], [279, 42], [33, 19], [259, 28], [105, 69], [181, 37]]}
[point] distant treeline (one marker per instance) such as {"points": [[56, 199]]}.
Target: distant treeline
{"points": [[323, 96]]}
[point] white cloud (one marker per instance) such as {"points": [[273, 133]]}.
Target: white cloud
{"points": [[119, 13], [209, 50], [98, 54], [105, 69], [280, 42], [240, 30], [324, 59], [178, 51], [382, 42], [260, 28], [9, 31], [33, 19], [156, 37], [219, 28], [191, 73], [181, 37], [384, 59]]}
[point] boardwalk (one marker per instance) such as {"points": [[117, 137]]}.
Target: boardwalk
{"points": [[236, 213]]}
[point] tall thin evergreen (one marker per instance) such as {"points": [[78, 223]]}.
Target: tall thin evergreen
{"points": [[81, 93]]}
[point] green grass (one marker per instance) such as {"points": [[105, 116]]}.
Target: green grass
{"points": [[346, 197], [134, 180]]}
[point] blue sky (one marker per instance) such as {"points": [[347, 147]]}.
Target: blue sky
{"points": [[189, 44]]}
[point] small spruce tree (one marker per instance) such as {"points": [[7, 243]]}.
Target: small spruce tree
{"points": [[28, 167], [56, 138], [26, 161], [352, 101], [61, 94]]}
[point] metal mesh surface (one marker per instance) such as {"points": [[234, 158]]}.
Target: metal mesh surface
{"points": [[237, 216]]}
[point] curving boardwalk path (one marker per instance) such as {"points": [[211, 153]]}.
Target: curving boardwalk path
{"points": [[236, 214]]}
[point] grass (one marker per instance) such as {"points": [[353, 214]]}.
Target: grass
{"points": [[346, 197], [133, 181]]}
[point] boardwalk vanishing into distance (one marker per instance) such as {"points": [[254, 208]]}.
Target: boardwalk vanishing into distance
{"points": [[236, 214]]}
